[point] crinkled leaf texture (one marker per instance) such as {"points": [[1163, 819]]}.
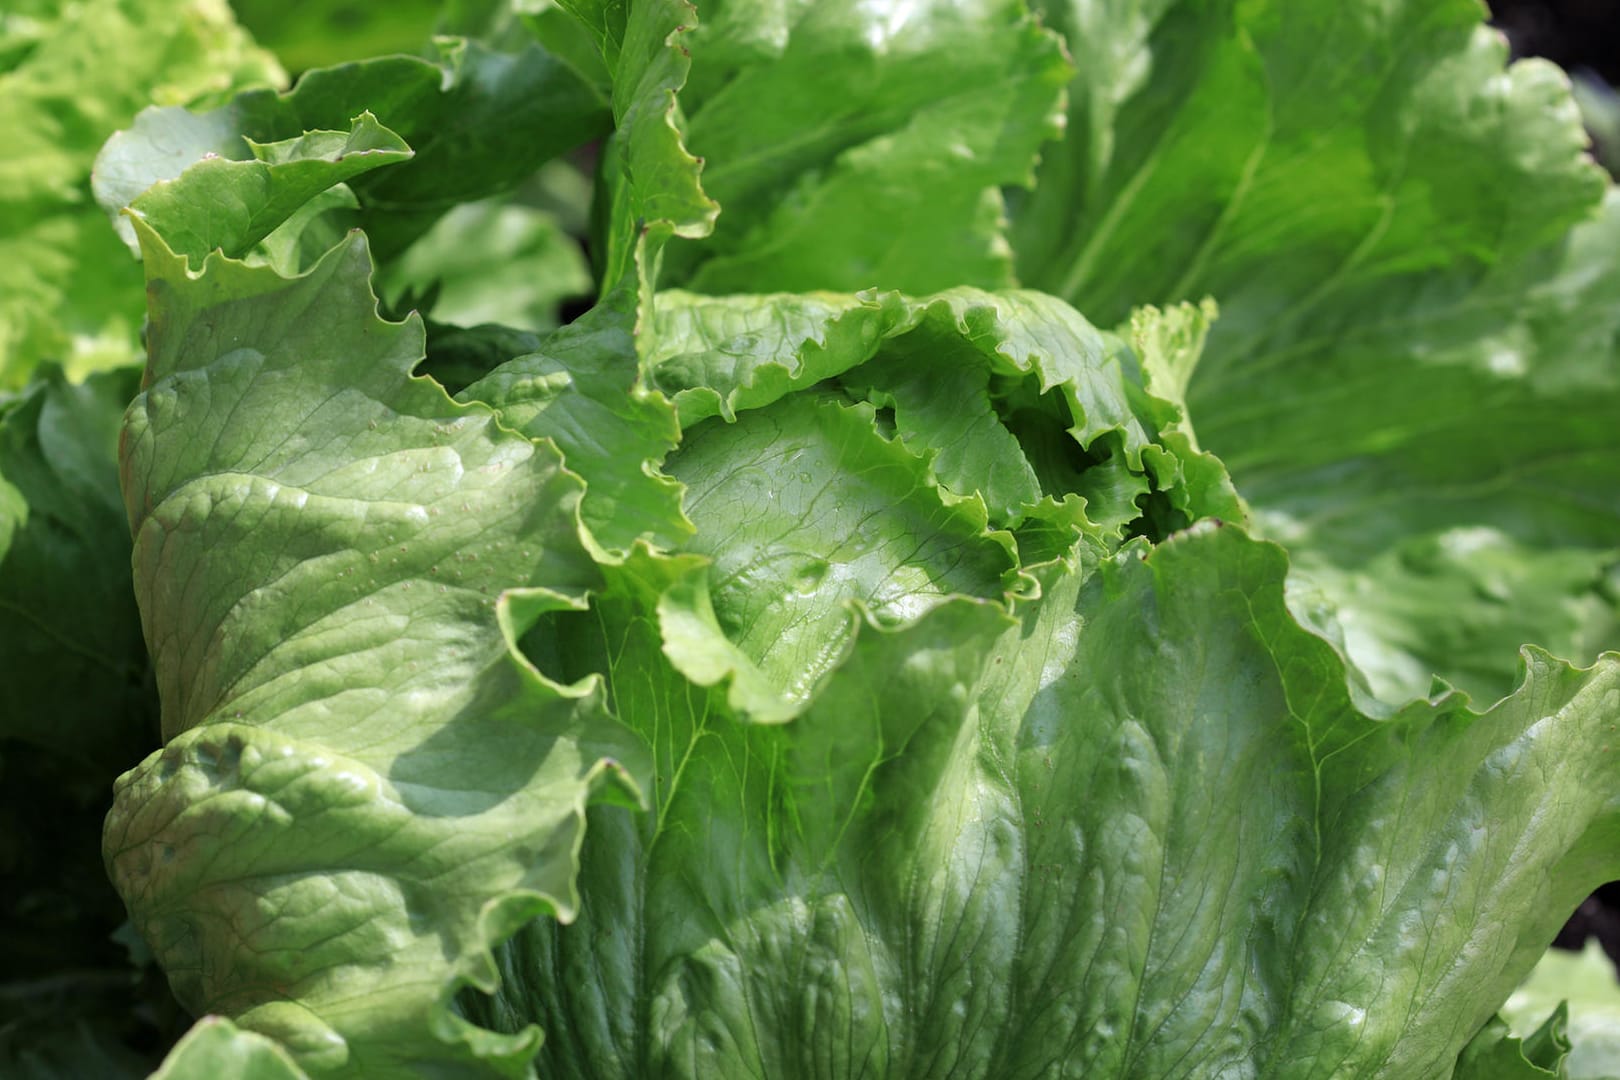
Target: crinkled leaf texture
{"points": [[854, 145], [955, 762], [649, 180], [1414, 379], [842, 158], [479, 120], [1583, 986], [966, 739], [251, 199], [1136, 828], [1114, 813], [365, 785]]}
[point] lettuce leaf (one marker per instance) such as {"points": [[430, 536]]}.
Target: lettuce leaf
{"points": [[215, 1047], [819, 128], [880, 682], [67, 293], [1414, 369], [842, 158], [877, 740], [359, 677], [461, 115], [1137, 828], [1581, 988]]}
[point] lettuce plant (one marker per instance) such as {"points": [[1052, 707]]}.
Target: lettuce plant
{"points": [[1020, 571], [65, 294]]}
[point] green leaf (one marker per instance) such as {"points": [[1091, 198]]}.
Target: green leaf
{"points": [[1165, 347], [807, 550], [478, 120], [582, 389], [317, 35], [67, 291], [841, 159], [1059, 409], [459, 356], [1494, 1054], [1412, 379], [856, 683], [949, 415], [1581, 985], [309, 232], [1141, 829], [365, 786], [715, 356], [1294, 177], [491, 262], [215, 1047], [1458, 603], [853, 145], [229, 206], [63, 100], [803, 508], [1455, 496], [650, 180]]}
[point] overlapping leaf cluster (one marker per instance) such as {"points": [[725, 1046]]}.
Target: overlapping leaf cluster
{"points": [[65, 295], [833, 654]]}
